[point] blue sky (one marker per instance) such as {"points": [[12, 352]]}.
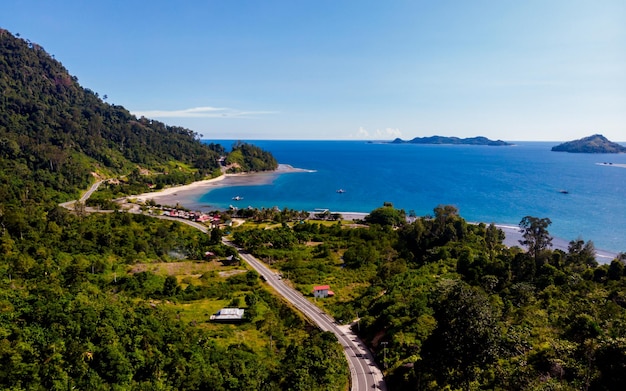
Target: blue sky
{"points": [[512, 70]]}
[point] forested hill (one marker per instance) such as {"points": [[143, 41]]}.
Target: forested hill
{"points": [[592, 144], [54, 134]]}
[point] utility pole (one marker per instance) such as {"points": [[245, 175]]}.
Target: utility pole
{"points": [[384, 353]]}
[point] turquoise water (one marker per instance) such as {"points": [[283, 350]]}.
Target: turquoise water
{"points": [[489, 184]]}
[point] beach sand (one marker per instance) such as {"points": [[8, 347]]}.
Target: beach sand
{"points": [[185, 193]]}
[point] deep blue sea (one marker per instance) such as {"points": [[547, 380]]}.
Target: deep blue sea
{"points": [[489, 184]]}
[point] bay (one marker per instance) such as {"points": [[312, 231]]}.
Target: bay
{"points": [[583, 199]]}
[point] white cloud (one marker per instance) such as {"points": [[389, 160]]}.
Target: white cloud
{"points": [[388, 133], [200, 112], [362, 133], [378, 134]]}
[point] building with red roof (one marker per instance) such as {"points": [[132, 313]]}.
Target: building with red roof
{"points": [[322, 291]]}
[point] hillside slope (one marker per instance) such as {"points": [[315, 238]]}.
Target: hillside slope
{"points": [[54, 133], [592, 144]]}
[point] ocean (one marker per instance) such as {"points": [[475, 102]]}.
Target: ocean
{"points": [[584, 197]]}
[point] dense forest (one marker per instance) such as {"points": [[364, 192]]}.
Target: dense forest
{"points": [[445, 305]]}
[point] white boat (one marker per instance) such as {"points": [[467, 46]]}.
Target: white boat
{"points": [[237, 198], [341, 191]]}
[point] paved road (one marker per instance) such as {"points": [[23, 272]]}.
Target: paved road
{"points": [[83, 198], [364, 374], [89, 192]]}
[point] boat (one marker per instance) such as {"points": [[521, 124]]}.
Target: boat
{"points": [[237, 198], [341, 191], [563, 191]]}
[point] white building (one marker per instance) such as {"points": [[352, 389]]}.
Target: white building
{"points": [[228, 315]]}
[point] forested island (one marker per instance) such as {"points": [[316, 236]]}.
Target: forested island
{"points": [[120, 300], [592, 144], [452, 140]]}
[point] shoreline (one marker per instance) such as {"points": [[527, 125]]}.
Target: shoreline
{"points": [[175, 189], [186, 194], [513, 235], [176, 194]]}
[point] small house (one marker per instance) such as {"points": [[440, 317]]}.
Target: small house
{"points": [[322, 291], [228, 315]]}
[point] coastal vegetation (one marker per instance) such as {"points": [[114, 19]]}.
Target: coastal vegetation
{"points": [[444, 304], [592, 144]]}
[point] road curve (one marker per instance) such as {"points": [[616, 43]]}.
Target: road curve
{"points": [[364, 374], [83, 198]]}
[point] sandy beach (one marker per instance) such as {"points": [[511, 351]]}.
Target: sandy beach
{"points": [[182, 194], [171, 191]]}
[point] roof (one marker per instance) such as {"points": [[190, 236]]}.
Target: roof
{"points": [[321, 288], [230, 311], [228, 314]]}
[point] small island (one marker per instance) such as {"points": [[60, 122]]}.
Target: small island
{"points": [[452, 140], [592, 144]]}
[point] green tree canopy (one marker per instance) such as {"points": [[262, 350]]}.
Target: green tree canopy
{"points": [[386, 215], [466, 338], [535, 234]]}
